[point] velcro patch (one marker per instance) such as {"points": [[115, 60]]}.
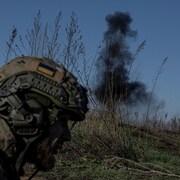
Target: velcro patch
{"points": [[48, 70]]}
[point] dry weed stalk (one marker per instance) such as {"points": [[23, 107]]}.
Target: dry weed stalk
{"points": [[160, 70], [134, 167]]}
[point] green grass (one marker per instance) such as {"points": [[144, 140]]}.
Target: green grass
{"points": [[91, 169], [88, 169]]}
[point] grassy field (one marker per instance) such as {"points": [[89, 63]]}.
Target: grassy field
{"points": [[103, 149]]}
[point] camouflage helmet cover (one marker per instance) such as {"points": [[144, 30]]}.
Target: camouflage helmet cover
{"points": [[45, 77]]}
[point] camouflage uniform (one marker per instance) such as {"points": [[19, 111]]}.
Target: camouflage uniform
{"points": [[37, 97]]}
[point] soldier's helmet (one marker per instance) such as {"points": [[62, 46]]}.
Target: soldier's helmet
{"points": [[29, 83]]}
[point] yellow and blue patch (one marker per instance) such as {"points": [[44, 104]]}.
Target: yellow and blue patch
{"points": [[48, 70]]}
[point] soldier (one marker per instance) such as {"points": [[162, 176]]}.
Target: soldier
{"points": [[37, 99]]}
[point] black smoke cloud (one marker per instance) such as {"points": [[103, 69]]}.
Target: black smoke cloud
{"points": [[114, 64]]}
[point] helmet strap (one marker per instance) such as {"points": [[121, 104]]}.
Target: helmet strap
{"points": [[53, 115]]}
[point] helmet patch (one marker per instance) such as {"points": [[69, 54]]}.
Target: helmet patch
{"points": [[43, 68]]}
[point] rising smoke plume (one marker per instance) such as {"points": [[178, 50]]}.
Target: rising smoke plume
{"points": [[114, 63]]}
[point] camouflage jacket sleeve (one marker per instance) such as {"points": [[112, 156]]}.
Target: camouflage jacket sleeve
{"points": [[7, 139]]}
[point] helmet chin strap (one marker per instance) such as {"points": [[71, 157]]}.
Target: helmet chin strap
{"points": [[53, 115], [22, 154]]}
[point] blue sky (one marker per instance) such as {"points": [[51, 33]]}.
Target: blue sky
{"points": [[155, 20]]}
